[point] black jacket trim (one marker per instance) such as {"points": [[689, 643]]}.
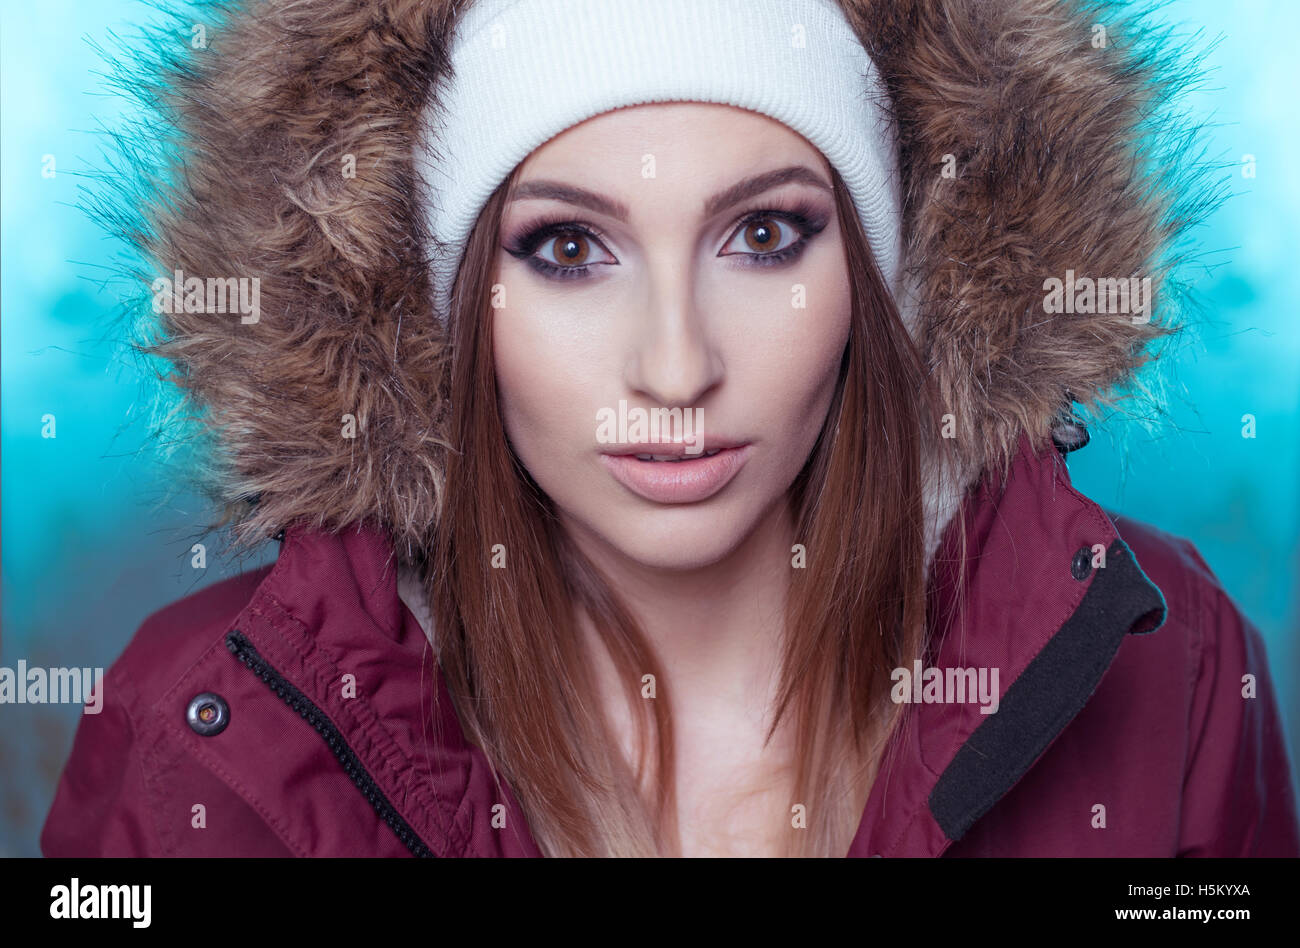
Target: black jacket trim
{"points": [[1048, 694]]}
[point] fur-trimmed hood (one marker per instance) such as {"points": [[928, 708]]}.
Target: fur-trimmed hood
{"points": [[1038, 143]]}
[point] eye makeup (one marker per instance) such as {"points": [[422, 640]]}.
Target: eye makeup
{"points": [[799, 215]]}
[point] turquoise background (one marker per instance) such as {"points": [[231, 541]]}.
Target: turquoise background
{"points": [[90, 546]]}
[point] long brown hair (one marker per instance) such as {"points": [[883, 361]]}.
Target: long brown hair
{"points": [[509, 641]]}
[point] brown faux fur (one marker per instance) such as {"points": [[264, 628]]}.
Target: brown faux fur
{"points": [[1056, 145]]}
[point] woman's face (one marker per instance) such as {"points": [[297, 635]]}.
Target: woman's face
{"points": [[682, 256]]}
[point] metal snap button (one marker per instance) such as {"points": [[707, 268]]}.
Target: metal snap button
{"points": [[1081, 565], [1069, 434], [208, 714]]}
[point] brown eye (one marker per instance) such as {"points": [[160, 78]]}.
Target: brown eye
{"points": [[769, 238], [763, 236], [571, 249], [561, 250]]}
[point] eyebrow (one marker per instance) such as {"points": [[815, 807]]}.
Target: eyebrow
{"points": [[729, 197]]}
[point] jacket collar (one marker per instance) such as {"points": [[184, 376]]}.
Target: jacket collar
{"points": [[329, 609], [1036, 610]]}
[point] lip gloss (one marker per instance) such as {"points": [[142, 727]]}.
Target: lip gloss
{"points": [[677, 482]]}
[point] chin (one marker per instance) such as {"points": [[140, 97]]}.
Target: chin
{"points": [[679, 538], [681, 553]]}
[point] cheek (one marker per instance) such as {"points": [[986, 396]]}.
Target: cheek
{"points": [[529, 391], [789, 357], [543, 399]]}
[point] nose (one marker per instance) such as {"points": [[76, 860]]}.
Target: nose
{"points": [[672, 360]]}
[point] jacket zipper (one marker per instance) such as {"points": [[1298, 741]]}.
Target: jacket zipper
{"points": [[242, 649]]}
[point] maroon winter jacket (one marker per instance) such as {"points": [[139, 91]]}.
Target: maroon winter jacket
{"points": [[1121, 727]]}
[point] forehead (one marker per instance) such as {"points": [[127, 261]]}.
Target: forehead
{"points": [[699, 147]]}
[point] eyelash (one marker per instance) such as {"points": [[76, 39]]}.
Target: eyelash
{"points": [[802, 216]]}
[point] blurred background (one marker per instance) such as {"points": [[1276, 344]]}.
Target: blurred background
{"points": [[89, 546]]}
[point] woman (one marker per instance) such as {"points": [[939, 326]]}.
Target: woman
{"points": [[667, 404]]}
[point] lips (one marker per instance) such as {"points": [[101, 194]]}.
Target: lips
{"points": [[676, 477], [672, 449], [676, 458]]}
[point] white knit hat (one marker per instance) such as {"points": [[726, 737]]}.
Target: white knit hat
{"points": [[523, 71]]}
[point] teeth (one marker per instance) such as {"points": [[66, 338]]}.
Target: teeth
{"points": [[675, 458]]}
